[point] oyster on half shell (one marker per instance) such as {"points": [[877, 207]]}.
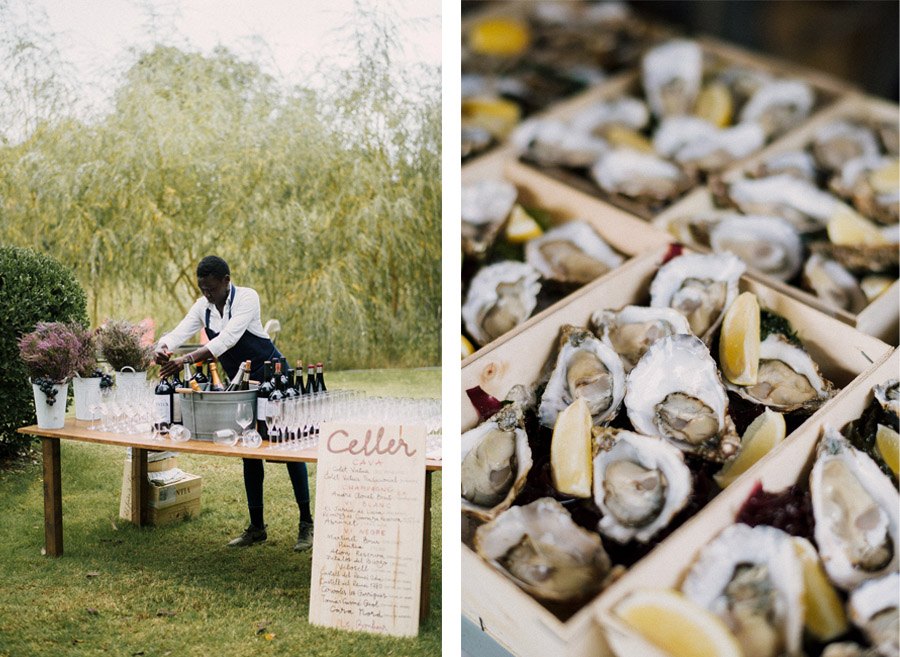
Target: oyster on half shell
{"points": [[840, 141], [700, 287], [501, 296], [779, 105], [788, 378], [641, 176], [485, 205], [768, 244], [752, 579], [799, 201], [833, 284], [631, 330], [571, 253], [549, 142], [586, 368], [856, 508], [675, 392], [496, 459], [540, 548], [873, 609], [640, 483], [672, 74]]}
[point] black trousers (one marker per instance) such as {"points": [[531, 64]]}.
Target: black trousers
{"points": [[253, 482]]}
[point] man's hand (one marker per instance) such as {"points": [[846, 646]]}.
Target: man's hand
{"points": [[161, 355], [170, 367]]}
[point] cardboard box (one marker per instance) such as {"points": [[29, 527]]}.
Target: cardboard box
{"points": [[175, 512], [492, 601], [163, 498], [783, 467]]}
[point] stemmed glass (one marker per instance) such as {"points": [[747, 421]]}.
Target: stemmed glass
{"points": [[273, 417], [243, 415]]}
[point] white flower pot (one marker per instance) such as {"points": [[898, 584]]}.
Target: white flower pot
{"points": [[87, 394], [51, 417], [130, 381]]}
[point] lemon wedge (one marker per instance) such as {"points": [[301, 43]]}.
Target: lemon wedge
{"points": [[739, 340], [499, 36], [763, 434], [621, 136], [849, 228], [679, 626], [888, 442], [521, 226], [825, 618], [886, 179], [496, 115], [467, 348], [714, 104], [570, 450]]}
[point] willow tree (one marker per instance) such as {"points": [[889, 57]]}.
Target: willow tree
{"points": [[327, 202]]}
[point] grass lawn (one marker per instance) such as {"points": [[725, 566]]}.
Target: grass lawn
{"points": [[177, 590]]}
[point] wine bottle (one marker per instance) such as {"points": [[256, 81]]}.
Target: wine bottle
{"points": [[199, 376], [277, 393], [216, 385], [235, 383], [262, 397], [191, 380], [320, 378], [245, 380], [176, 398], [289, 392], [163, 402], [298, 383], [310, 387]]}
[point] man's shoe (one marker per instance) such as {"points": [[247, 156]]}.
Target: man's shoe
{"points": [[304, 537], [251, 536]]}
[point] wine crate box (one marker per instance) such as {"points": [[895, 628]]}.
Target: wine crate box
{"points": [[163, 498], [669, 563], [489, 599], [175, 512]]}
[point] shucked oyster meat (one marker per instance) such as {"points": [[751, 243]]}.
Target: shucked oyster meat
{"points": [[675, 392], [752, 579], [768, 244], [856, 512], [501, 296], [631, 330], [585, 368], [788, 378], [540, 548], [496, 459], [700, 287], [571, 253], [640, 483]]}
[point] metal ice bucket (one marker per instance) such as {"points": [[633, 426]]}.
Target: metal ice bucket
{"points": [[204, 413]]}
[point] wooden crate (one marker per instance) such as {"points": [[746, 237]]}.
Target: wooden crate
{"points": [[788, 465], [489, 599], [881, 318]]}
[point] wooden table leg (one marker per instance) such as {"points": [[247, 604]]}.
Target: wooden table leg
{"points": [[425, 593], [53, 535], [140, 487]]}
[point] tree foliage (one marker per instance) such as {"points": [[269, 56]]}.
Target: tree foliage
{"points": [[327, 201]]}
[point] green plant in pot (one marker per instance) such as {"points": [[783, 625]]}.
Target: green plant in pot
{"points": [[52, 354], [122, 345]]}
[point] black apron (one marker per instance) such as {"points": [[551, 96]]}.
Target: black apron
{"points": [[249, 347]]}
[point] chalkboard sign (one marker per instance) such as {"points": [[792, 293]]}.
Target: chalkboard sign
{"points": [[367, 548]]}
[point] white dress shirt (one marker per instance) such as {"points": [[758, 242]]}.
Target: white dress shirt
{"points": [[245, 316]]}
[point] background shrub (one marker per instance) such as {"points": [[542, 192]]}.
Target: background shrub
{"points": [[33, 288]]}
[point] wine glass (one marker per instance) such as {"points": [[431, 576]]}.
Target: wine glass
{"points": [[273, 412], [243, 415]]}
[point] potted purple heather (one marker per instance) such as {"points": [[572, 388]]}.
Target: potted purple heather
{"points": [[123, 346], [52, 354]]}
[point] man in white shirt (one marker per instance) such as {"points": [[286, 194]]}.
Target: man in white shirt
{"points": [[230, 315]]}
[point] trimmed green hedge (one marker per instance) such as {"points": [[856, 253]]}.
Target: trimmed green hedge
{"points": [[33, 288]]}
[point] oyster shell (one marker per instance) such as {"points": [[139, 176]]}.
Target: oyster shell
{"points": [[676, 132], [675, 392], [888, 395], [788, 378], [571, 253], [873, 184], [625, 111], [855, 507], [586, 368], [700, 287], [641, 176], [848, 649], [549, 142], [640, 483], [833, 284], [540, 548], [672, 74], [752, 579], [839, 142], [484, 205], [873, 609], [717, 150], [779, 105], [631, 330], [496, 459], [861, 259], [803, 204], [768, 244], [501, 296], [798, 164]]}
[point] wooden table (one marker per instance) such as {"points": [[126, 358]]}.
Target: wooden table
{"points": [[140, 486]]}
